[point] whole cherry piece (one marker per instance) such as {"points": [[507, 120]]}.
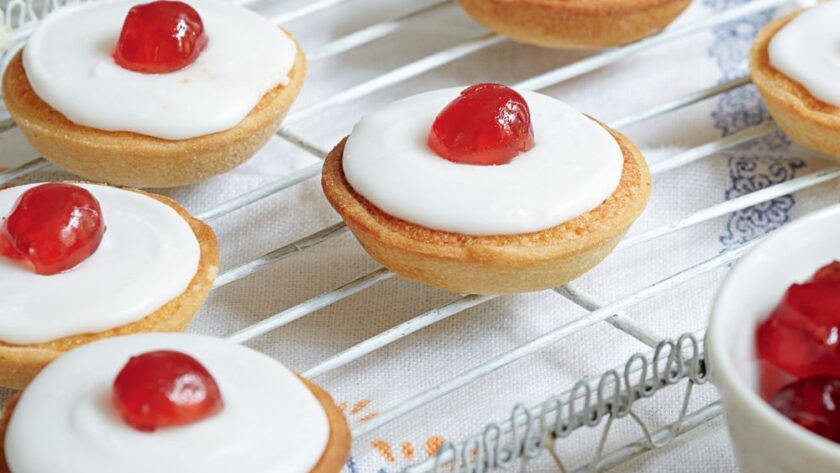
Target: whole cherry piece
{"points": [[801, 338], [486, 124], [164, 389], [813, 403], [159, 37], [54, 227]]}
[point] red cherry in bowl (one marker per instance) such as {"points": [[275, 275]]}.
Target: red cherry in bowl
{"points": [[54, 227], [829, 272], [813, 403], [164, 389], [486, 124], [159, 37], [801, 338]]}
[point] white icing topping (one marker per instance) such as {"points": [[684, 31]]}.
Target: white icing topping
{"points": [[574, 166], [807, 50], [68, 60], [148, 256], [270, 422]]}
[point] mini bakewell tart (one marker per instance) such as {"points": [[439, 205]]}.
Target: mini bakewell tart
{"points": [[83, 262], [116, 92], [489, 203], [575, 24], [171, 403], [795, 63]]}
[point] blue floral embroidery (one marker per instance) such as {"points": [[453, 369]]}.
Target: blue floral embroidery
{"points": [[750, 173], [749, 167], [352, 468], [351, 465]]}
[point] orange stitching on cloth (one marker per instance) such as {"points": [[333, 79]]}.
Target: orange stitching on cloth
{"points": [[384, 449], [408, 451], [359, 406], [368, 416], [357, 409], [433, 444]]}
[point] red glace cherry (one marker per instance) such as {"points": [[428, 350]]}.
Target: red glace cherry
{"points": [[487, 124], [799, 352], [54, 227], [164, 389], [801, 338], [830, 272], [814, 404], [160, 37]]}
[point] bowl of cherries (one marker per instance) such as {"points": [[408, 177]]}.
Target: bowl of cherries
{"points": [[773, 346]]}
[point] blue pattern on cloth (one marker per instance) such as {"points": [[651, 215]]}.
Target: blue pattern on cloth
{"points": [[760, 163]]}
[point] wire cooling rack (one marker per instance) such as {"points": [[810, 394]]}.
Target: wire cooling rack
{"points": [[529, 431]]}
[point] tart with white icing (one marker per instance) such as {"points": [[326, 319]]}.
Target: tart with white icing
{"points": [[171, 403], [486, 190], [575, 24], [83, 262], [795, 63], [153, 95]]}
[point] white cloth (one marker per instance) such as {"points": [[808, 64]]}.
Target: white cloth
{"points": [[391, 375]]}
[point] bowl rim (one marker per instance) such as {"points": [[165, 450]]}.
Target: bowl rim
{"points": [[723, 367]]}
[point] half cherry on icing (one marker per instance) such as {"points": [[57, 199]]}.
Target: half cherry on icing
{"points": [[159, 37], [164, 389], [486, 124], [54, 227], [798, 348]]}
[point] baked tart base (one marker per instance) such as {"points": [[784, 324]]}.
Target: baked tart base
{"points": [[575, 24]]}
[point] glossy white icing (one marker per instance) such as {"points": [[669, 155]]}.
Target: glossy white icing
{"points": [[65, 421], [148, 256], [574, 166], [68, 60], [807, 50]]}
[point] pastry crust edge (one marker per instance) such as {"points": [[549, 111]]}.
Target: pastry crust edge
{"points": [[575, 25]]}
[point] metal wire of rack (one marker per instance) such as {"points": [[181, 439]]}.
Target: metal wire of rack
{"points": [[529, 431]]}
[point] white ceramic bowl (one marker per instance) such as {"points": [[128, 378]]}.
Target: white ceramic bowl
{"points": [[765, 441]]}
